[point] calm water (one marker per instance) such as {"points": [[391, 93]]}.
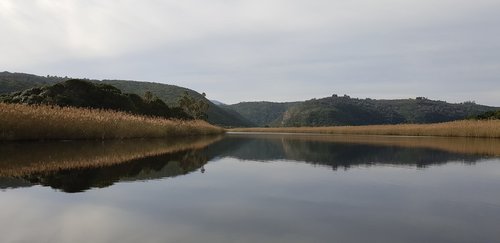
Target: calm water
{"points": [[252, 188]]}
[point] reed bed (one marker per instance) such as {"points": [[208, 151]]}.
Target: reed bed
{"points": [[42, 122], [466, 128]]}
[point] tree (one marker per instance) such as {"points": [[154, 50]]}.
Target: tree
{"points": [[195, 108], [148, 96]]}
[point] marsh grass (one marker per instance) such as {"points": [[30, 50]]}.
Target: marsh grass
{"points": [[26, 158], [41, 122], [466, 128]]}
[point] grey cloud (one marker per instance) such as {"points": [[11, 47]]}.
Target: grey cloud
{"points": [[266, 50]]}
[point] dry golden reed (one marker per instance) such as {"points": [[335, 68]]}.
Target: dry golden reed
{"points": [[466, 128], [41, 122]]}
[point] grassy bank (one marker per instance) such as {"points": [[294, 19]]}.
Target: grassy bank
{"points": [[468, 128], [23, 122]]}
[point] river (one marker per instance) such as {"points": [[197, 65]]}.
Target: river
{"points": [[252, 188]]}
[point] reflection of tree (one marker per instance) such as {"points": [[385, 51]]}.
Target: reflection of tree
{"points": [[154, 167], [156, 159], [77, 166], [332, 153], [55, 156]]}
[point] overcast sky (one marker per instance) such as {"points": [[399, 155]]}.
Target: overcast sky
{"points": [[276, 50]]}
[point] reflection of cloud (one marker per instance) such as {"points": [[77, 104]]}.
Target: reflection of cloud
{"points": [[265, 202], [52, 221], [78, 221]]}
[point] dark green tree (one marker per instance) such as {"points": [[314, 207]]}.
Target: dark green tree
{"points": [[148, 96], [196, 108]]}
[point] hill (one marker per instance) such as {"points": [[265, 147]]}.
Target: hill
{"points": [[80, 93], [332, 111], [327, 111], [12, 82], [262, 113], [217, 102], [490, 115], [170, 94]]}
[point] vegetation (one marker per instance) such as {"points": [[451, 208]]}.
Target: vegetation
{"points": [[195, 108], [43, 122], [262, 113], [330, 111], [466, 128], [12, 82], [170, 94], [489, 115], [344, 110], [80, 93]]}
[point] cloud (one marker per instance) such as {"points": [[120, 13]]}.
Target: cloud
{"points": [[265, 50]]}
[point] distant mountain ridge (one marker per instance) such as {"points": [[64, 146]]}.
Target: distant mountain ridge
{"points": [[13, 82], [263, 113], [329, 111], [344, 110], [217, 102]]}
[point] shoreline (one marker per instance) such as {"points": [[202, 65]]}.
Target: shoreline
{"points": [[464, 128]]}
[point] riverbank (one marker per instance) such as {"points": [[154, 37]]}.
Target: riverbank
{"points": [[41, 122], [466, 128]]}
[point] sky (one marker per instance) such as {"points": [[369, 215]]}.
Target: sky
{"points": [[273, 50]]}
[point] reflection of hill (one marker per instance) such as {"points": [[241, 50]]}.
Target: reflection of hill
{"points": [[77, 166], [13, 183], [347, 151], [154, 167], [36, 157]]}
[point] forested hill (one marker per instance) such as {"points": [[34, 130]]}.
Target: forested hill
{"points": [[490, 115], [262, 113], [334, 110], [13, 82], [344, 110], [170, 94], [85, 94]]}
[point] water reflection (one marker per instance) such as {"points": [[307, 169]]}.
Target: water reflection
{"points": [[256, 188], [79, 166], [347, 151]]}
